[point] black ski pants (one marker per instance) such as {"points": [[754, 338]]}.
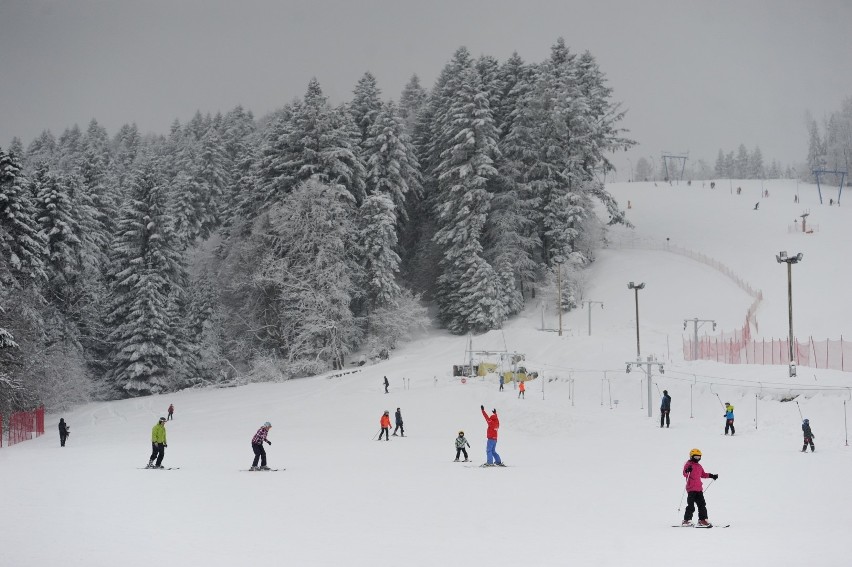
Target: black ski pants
{"points": [[399, 428], [158, 451], [729, 424], [384, 432], [808, 441], [460, 450], [693, 499], [259, 454], [62, 438], [664, 416]]}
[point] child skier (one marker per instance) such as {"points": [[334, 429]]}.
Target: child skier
{"points": [[257, 447], [171, 412], [809, 436], [460, 444], [729, 418], [694, 472], [384, 423], [522, 388]]}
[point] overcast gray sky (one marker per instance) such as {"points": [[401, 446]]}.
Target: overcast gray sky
{"points": [[695, 75]]}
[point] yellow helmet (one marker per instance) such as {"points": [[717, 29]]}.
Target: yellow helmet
{"points": [[695, 453]]}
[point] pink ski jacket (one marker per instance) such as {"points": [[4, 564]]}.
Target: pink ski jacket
{"points": [[693, 478]]}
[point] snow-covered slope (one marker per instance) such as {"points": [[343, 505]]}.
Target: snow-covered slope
{"points": [[592, 480]]}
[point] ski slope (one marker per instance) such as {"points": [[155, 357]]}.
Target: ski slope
{"points": [[592, 480]]}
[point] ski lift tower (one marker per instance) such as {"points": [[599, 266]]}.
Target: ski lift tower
{"points": [[683, 156], [841, 173]]}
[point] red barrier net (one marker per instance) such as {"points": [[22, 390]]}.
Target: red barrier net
{"points": [[739, 349], [24, 425]]}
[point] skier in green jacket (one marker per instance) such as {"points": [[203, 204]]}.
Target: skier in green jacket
{"points": [[158, 444]]}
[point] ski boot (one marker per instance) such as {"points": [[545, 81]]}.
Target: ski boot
{"points": [[264, 468], [254, 469], [703, 524], [687, 523], [500, 464]]}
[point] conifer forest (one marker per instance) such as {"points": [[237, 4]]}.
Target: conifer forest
{"points": [[240, 248]]}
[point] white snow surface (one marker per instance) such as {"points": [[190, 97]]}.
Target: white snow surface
{"points": [[589, 482]]}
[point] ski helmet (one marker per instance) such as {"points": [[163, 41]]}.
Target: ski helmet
{"points": [[695, 453], [461, 433], [267, 424], [162, 419], [806, 421]]}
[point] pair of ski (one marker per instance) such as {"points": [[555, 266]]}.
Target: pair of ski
{"points": [[160, 468], [261, 470], [485, 466], [701, 527]]}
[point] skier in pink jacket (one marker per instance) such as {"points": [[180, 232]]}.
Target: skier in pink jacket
{"points": [[694, 472]]}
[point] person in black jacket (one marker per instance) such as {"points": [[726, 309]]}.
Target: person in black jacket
{"points": [[665, 408], [398, 418], [63, 431], [386, 384], [809, 436]]}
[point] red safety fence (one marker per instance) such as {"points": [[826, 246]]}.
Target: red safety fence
{"points": [[734, 349], [24, 425]]}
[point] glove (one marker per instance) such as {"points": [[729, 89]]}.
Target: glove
{"points": [[688, 469], [482, 408], [165, 444], [494, 410], [268, 442], [714, 476]]}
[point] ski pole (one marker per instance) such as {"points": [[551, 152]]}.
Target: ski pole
{"points": [[709, 484], [377, 434], [800, 410], [681, 498]]}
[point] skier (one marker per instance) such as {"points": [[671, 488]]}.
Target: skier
{"points": [[158, 445], [665, 408], [171, 411], [756, 205], [460, 443], [522, 388], [502, 380], [398, 419], [809, 436], [384, 422], [257, 446], [491, 444], [694, 472], [63, 431], [729, 418], [386, 384]]}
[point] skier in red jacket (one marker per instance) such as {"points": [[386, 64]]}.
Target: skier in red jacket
{"points": [[493, 459]]}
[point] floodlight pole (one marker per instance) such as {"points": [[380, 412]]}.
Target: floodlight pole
{"points": [[695, 324], [790, 260], [636, 289], [648, 364], [589, 303]]}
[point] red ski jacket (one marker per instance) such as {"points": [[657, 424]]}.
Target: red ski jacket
{"points": [[493, 424]]}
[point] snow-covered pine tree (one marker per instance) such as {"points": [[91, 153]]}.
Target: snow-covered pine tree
{"points": [[755, 164], [307, 272], [412, 99], [741, 163], [22, 243], [377, 242], [366, 105], [42, 149], [392, 167], [59, 223], [146, 277], [468, 292], [720, 164]]}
